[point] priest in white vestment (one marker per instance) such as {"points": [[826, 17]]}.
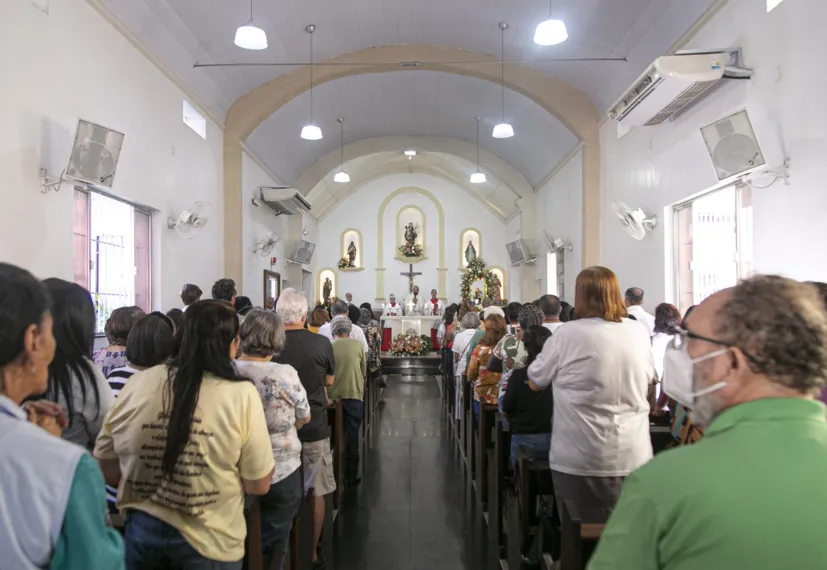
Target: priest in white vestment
{"points": [[389, 309], [434, 307], [414, 304]]}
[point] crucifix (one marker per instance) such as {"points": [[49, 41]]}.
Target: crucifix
{"points": [[410, 275]]}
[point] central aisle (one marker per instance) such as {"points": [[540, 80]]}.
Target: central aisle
{"points": [[412, 511]]}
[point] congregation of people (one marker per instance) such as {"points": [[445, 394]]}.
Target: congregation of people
{"points": [[182, 414]]}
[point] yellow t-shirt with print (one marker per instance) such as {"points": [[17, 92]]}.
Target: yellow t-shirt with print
{"points": [[229, 441]]}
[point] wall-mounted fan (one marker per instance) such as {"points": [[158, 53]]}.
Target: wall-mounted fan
{"points": [[267, 244], [732, 145], [557, 244], [636, 222], [191, 220]]}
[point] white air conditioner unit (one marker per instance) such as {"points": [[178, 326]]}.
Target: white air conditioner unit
{"points": [[674, 82], [284, 200]]}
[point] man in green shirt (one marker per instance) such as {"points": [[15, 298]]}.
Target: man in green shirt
{"points": [[752, 493], [349, 387]]}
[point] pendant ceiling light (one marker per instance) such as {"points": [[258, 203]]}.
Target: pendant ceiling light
{"points": [[478, 177], [311, 132], [503, 130], [341, 176], [250, 36], [550, 32]]}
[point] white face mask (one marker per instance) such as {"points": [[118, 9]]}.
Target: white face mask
{"points": [[678, 382]]}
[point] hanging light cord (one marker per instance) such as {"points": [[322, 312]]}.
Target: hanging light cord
{"points": [[478, 144], [549, 8], [342, 146], [311, 77], [251, 10], [502, 68]]}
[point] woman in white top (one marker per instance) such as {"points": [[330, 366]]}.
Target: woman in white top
{"points": [[470, 323], [600, 368], [74, 381], [667, 318]]}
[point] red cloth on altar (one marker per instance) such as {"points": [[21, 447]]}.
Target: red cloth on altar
{"points": [[386, 340], [434, 340]]}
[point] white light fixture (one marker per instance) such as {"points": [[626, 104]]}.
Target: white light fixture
{"points": [[341, 176], [311, 132], [478, 177], [250, 36], [550, 32], [503, 130], [410, 153]]}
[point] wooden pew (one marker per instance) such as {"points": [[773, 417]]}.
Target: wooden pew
{"points": [[484, 442], [579, 538], [337, 446], [533, 479], [253, 554], [301, 535], [499, 469], [468, 435]]}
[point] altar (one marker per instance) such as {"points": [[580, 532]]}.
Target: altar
{"points": [[420, 323]]}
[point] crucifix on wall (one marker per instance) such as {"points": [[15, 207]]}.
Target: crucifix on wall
{"points": [[410, 275]]}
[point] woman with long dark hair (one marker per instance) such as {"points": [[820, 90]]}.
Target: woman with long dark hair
{"points": [[74, 381], [188, 439], [51, 490]]}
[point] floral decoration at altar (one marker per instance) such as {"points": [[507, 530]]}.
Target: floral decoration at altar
{"points": [[478, 271], [344, 263], [411, 345]]}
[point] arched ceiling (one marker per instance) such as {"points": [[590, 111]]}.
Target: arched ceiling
{"points": [[423, 103], [182, 32]]}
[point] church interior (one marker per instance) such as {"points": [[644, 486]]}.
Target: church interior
{"points": [[443, 165]]}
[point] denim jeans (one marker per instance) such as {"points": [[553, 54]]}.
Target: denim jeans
{"points": [[352, 411], [153, 544], [535, 445], [278, 509]]}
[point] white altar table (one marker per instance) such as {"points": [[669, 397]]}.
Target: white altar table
{"points": [[421, 324]]}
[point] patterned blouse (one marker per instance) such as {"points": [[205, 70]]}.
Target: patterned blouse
{"points": [[374, 339], [514, 356], [485, 382], [285, 401], [108, 360]]}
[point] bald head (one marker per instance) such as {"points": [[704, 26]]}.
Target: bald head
{"points": [[634, 296]]}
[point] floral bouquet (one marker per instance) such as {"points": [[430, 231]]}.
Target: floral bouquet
{"points": [[410, 345], [409, 250], [344, 263]]}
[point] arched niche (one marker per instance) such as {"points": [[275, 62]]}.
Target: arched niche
{"points": [[500, 273], [327, 273], [466, 236], [406, 215], [352, 235]]}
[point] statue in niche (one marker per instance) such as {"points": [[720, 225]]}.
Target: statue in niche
{"points": [[496, 297], [410, 234], [327, 288], [470, 253], [351, 254]]}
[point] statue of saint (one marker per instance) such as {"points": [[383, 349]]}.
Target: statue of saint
{"points": [[470, 253], [327, 288], [410, 234], [351, 254], [497, 298]]}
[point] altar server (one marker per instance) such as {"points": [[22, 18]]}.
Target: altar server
{"points": [[434, 307], [389, 309]]}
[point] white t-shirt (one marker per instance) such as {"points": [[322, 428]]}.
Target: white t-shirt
{"points": [[553, 326], [461, 341], [643, 317], [600, 373], [356, 333]]}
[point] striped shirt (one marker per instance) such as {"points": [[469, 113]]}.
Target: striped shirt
{"points": [[117, 380]]}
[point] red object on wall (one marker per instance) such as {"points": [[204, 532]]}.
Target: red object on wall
{"points": [[273, 261]]}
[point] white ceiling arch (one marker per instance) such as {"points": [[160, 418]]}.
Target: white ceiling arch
{"points": [[424, 103], [500, 199]]}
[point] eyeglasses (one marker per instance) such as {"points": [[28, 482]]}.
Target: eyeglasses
{"points": [[681, 335]]}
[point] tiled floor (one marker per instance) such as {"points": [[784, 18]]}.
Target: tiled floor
{"points": [[412, 511]]}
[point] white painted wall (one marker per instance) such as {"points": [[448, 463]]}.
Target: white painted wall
{"points": [[361, 209], [655, 167], [69, 64], [256, 223], [558, 207]]}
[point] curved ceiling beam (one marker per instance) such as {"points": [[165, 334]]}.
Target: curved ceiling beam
{"points": [[568, 104], [489, 161], [325, 206]]}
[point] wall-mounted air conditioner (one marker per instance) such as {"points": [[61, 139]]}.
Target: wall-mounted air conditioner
{"points": [[284, 200], [674, 82]]}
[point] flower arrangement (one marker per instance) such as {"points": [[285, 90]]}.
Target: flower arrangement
{"points": [[410, 345], [411, 250], [344, 263], [477, 271]]}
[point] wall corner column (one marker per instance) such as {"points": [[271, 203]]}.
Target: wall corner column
{"points": [[233, 193]]}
